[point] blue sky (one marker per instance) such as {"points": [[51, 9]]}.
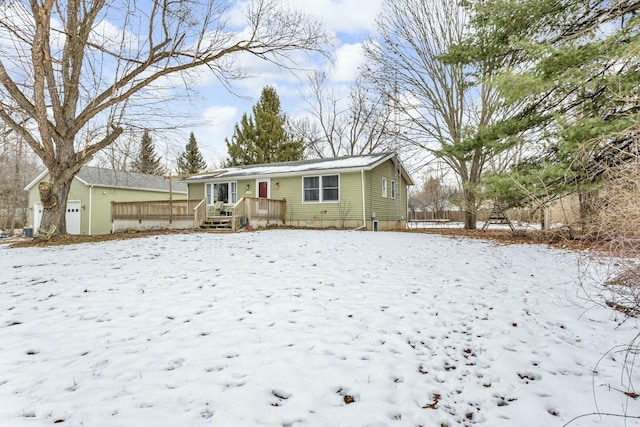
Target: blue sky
{"points": [[349, 21], [211, 109]]}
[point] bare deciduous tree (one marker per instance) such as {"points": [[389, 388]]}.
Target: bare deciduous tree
{"points": [[435, 196], [342, 125], [80, 70], [440, 110], [18, 167]]}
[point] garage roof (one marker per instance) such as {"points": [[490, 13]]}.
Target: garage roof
{"points": [[110, 178]]}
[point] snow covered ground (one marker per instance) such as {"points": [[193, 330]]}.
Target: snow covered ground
{"points": [[304, 328]]}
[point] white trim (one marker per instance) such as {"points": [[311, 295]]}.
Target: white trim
{"points": [[213, 197], [385, 187], [394, 189], [38, 178]]}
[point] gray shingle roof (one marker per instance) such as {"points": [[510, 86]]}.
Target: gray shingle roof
{"points": [[103, 177]]}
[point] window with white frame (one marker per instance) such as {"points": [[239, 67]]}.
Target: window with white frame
{"points": [[393, 189], [384, 187], [323, 188], [221, 191]]}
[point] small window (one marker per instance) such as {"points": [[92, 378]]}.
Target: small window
{"points": [[384, 187], [321, 188], [330, 191], [311, 188], [393, 189]]}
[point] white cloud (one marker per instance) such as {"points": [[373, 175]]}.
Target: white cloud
{"points": [[348, 58], [342, 16], [217, 123]]}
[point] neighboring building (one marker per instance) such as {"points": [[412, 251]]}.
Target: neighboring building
{"points": [[92, 191], [368, 191]]}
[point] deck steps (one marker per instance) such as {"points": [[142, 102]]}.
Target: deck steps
{"points": [[222, 223]]}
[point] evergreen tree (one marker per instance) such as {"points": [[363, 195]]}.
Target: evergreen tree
{"points": [[191, 160], [576, 86], [263, 137], [148, 162]]}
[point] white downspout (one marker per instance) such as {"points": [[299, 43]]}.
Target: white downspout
{"points": [[364, 215], [90, 206]]}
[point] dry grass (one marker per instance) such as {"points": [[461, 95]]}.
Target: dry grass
{"points": [[72, 239]]}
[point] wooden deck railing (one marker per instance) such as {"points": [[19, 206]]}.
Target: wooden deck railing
{"points": [[253, 208], [247, 209], [157, 210], [199, 213]]}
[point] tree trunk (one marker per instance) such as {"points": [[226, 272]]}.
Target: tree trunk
{"points": [[470, 211], [54, 195], [588, 208]]}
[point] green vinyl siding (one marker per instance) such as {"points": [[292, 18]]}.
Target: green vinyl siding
{"points": [[386, 208], [349, 205], [196, 191], [242, 188], [103, 196]]}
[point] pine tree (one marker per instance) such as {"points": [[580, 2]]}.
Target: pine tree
{"points": [[262, 137], [575, 85], [191, 160], [148, 162]]}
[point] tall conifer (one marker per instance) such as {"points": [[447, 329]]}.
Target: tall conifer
{"points": [[262, 137], [147, 161], [191, 160]]}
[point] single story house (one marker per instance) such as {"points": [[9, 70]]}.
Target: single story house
{"points": [[92, 191], [365, 192]]}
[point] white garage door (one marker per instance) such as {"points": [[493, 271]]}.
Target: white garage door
{"points": [[74, 210]]}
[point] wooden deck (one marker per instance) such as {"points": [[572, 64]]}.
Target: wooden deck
{"points": [[184, 214]]}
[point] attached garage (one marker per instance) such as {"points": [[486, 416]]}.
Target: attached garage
{"points": [[93, 190]]}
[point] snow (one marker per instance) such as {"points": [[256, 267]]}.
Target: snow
{"points": [[304, 328], [339, 163], [479, 224]]}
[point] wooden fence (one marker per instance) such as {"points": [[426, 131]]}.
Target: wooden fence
{"points": [[524, 215]]}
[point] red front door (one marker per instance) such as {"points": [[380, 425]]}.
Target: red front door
{"points": [[263, 189]]}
